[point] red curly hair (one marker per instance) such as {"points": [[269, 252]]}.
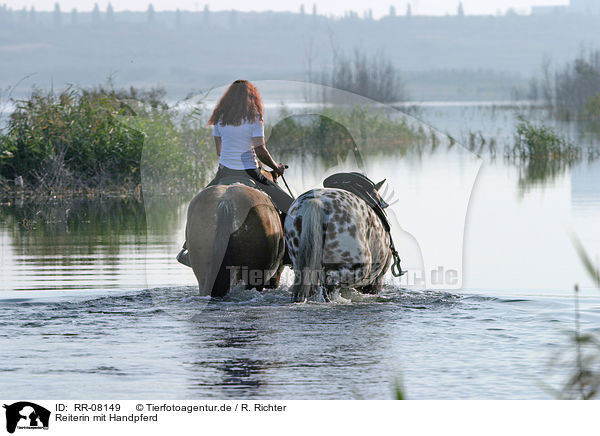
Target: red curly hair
{"points": [[241, 102]]}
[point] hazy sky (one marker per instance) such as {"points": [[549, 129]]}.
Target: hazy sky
{"points": [[336, 7]]}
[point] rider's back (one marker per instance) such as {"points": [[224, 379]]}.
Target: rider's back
{"points": [[236, 144]]}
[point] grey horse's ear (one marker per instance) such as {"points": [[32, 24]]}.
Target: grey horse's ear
{"points": [[380, 184]]}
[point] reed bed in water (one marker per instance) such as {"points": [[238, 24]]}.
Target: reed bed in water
{"points": [[92, 141], [107, 141]]}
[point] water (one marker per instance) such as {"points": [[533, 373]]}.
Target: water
{"points": [[93, 305], [120, 345]]}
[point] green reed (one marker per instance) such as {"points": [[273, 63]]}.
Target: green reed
{"points": [[83, 140]]}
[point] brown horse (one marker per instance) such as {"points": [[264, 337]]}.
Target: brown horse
{"points": [[233, 234]]}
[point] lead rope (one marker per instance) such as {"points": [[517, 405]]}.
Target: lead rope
{"points": [[286, 185], [396, 266]]}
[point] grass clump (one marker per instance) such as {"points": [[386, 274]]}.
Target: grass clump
{"points": [[539, 141], [541, 154]]}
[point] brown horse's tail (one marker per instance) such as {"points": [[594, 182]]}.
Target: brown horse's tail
{"points": [[308, 265], [218, 277]]}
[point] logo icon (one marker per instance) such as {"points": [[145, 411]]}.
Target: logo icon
{"points": [[26, 415]]}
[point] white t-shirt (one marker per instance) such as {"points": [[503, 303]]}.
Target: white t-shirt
{"points": [[236, 144]]}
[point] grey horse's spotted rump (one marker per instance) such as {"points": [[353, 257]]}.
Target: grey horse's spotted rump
{"points": [[351, 249]]}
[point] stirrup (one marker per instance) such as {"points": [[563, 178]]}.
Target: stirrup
{"points": [[397, 270], [183, 257]]}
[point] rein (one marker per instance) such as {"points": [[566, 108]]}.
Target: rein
{"points": [[286, 185], [274, 176]]}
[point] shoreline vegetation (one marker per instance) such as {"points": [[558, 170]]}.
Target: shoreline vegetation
{"points": [[107, 142], [89, 143]]}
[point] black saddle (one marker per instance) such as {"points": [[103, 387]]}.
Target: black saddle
{"points": [[364, 188], [230, 180]]}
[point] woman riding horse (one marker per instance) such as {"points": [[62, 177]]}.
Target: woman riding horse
{"points": [[238, 131]]}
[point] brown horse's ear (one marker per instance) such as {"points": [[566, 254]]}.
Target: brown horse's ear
{"points": [[380, 184]]}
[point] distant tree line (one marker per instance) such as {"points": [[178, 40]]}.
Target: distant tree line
{"points": [[573, 89], [374, 77], [57, 16], [184, 50]]}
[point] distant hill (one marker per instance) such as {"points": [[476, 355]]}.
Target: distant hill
{"points": [[468, 57]]}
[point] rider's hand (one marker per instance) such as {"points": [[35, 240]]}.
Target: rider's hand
{"points": [[280, 169]]}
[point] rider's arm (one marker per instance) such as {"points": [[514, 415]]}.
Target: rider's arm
{"points": [[264, 156], [218, 144]]}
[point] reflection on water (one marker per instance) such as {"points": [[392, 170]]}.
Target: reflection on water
{"points": [[495, 236], [223, 361], [77, 244]]}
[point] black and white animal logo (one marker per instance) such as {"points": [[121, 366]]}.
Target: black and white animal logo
{"points": [[26, 415]]}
